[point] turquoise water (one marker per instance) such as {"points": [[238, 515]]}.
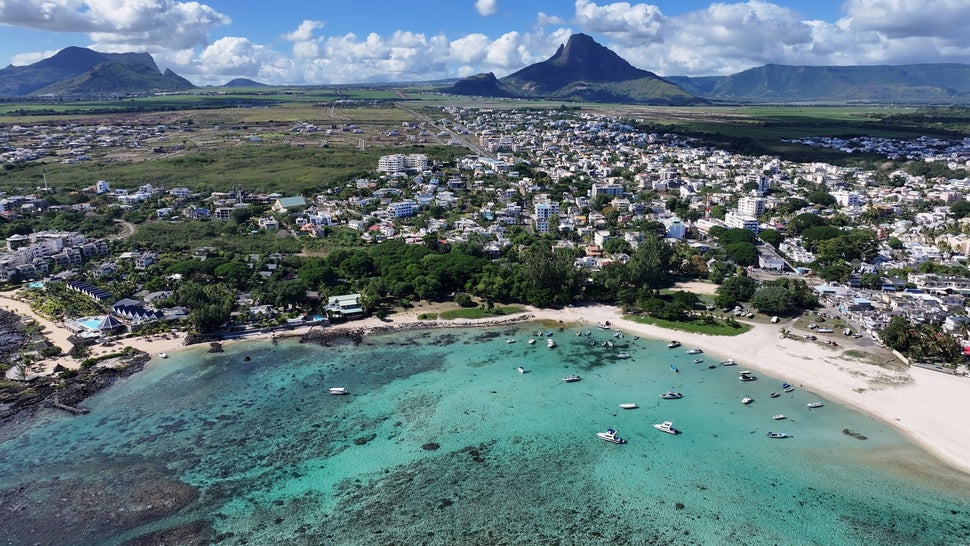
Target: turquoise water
{"points": [[91, 323], [442, 441]]}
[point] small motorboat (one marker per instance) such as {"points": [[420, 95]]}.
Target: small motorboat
{"points": [[510, 340], [778, 417], [671, 395], [786, 387], [521, 369], [588, 333], [550, 343], [698, 360], [623, 355], [338, 391], [610, 436], [746, 376], [667, 427], [747, 400], [673, 345], [629, 405], [571, 378], [674, 368], [532, 341], [636, 338], [694, 351], [162, 355], [729, 362], [778, 435], [814, 404], [774, 395]]}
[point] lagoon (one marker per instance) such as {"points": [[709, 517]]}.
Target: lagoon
{"points": [[442, 441]]}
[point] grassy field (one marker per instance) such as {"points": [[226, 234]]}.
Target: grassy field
{"points": [[693, 327], [474, 313]]}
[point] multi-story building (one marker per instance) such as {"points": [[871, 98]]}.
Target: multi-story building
{"points": [[751, 206], [543, 209], [738, 221]]}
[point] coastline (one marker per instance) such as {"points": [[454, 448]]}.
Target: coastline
{"points": [[919, 403]]}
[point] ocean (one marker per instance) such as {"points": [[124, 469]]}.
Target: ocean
{"points": [[442, 441]]}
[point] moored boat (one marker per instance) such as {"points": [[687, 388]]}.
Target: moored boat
{"points": [[338, 391], [610, 436], [747, 400], [778, 435], [623, 355], [674, 368], [532, 341], [814, 404], [778, 417], [673, 345], [729, 362], [521, 369], [671, 395], [667, 427], [694, 351], [163, 355], [572, 378], [629, 405], [746, 376], [550, 343], [774, 395]]}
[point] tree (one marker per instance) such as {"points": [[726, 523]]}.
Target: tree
{"points": [[734, 290], [742, 253], [649, 266], [772, 300], [615, 245], [802, 222], [772, 237]]}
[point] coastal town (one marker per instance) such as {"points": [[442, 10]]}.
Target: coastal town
{"points": [[593, 183]]}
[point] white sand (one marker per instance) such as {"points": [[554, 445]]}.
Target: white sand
{"points": [[923, 404]]}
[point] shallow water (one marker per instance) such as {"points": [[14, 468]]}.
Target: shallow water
{"points": [[442, 441]]}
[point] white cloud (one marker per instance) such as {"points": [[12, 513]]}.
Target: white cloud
{"points": [[304, 32], [135, 24], [542, 20], [909, 18], [486, 7], [621, 21]]}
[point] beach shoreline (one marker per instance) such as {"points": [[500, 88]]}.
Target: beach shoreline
{"points": [[919, 403]]}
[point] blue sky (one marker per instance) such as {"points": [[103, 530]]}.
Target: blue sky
{"points": [[357, 41]]}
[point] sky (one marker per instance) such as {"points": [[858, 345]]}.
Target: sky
{"points": [[306, 42]]}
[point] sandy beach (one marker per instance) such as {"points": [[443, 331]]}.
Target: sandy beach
{"points": [[921, 403]]}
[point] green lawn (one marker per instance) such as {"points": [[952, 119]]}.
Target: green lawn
{"points": [[720, 329]]}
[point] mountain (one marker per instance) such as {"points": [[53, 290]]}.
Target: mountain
{"points": [[79, 71], [243, 82], [580, 70], [915, 83]]}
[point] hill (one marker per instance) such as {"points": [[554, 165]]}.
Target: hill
{"points": [[243, 82], [78, 71], [580, 70], [884, 84]]}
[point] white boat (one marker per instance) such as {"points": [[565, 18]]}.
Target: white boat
{"points": [[550, 343], [814, 404], [623, 355], [629, 405], [521, 369], [571, 378], [729, 362], [778, 417], [694, 351], [673, 345], [603, 325], [747, 400], [774, 395], [338, 390], [698, 360], [162, 355], [778, 435], [789, 388], [610, 436], [667, 427], [671, 395], [510, 340], [746, 376], [532, 341]]}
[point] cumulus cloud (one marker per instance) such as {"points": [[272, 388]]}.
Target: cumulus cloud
{"points": [[908, 18], [486, 7], [621, 21], [304, 32], [136, 24]]}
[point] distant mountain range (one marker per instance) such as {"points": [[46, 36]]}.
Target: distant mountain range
{"points": [[78, 71], [774, 83], [581, 70]]}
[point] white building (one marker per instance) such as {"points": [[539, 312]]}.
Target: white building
{"points": [[737, 221], [751, 206], [401, 209], [847, 198], [676, 229], [543, 209], [397, 163]]}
